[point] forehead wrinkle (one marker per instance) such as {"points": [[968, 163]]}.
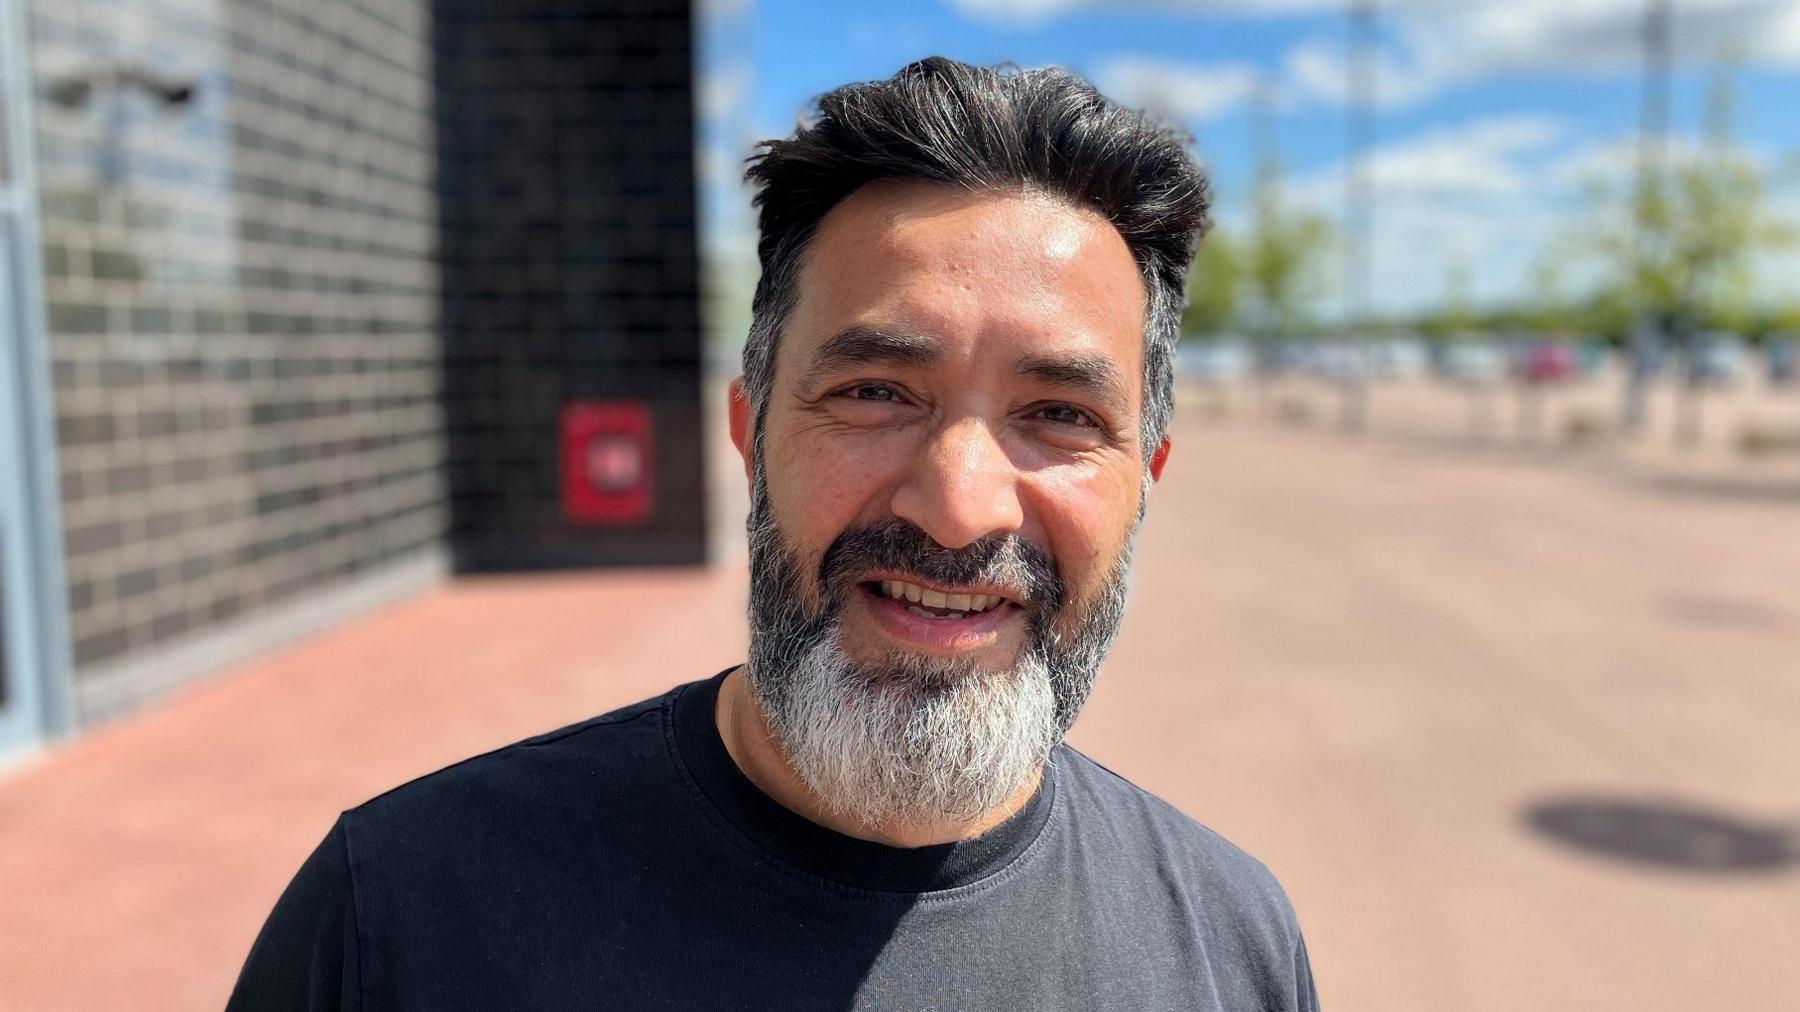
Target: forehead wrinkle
{"points": [[916, 258]]}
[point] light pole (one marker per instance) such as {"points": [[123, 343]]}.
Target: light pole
{"points": [[1358, 213], [1653, 146]]}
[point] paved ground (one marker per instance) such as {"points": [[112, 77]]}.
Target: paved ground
{"points": [[1380, 667], [1741, 440]]}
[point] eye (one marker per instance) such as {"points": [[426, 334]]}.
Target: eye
{"points": [[1064, 414], [879, 393]]}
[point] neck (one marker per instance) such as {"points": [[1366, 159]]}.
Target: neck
{"points": [[758, 753]]}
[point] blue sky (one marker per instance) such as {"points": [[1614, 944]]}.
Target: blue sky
{"points": [[1493, 114]]}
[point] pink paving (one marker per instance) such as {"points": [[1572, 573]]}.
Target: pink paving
{"points": [[1362, 662], [138, 865]]}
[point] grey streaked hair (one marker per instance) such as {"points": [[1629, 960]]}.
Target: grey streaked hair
{"points": [[1042, 130]]}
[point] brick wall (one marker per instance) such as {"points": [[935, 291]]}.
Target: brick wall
{"points": [[243, 304], [570, 265], [321, 275]]}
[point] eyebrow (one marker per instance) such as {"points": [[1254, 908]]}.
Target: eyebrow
{"points": [[857, 344], [860, 345], [1093, 375]]}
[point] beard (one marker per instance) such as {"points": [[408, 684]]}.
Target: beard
{"points": [[909, 738]]}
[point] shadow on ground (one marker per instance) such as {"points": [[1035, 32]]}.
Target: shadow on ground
{"points": [[1677, 835]]}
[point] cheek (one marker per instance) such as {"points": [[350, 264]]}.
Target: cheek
{"points": [[822, 484], [1087, 518]]}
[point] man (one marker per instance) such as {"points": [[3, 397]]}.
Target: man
{"points": [[954, 401]]}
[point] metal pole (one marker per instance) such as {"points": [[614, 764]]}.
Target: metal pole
{"points": [[1358, 212], [1649, 240], [1263, 202], [31, 531]]}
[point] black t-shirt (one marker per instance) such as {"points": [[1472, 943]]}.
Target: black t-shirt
{"points": [[626, 862]]}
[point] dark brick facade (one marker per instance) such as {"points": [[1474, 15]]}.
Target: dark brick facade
{"points": [[278, 366], [242, 302], [570, 266]]}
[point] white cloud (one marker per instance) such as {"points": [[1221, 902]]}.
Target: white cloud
{"points": [[724, 88], [1481, 158], [1418, 245], [1496, 194], [1490, 38], [1599, 35], [1614, 161], [1468, 194], [1473, 158], [1317, 69], [1192, 92], [1031, 10], [1430, 45]]}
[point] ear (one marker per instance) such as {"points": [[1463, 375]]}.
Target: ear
{"points": [[737, 409], [1158, 459]]}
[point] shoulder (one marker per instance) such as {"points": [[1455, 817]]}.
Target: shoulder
{"points": [[570, 774], [1121, 819]]}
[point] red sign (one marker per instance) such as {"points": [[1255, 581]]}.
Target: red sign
{"points": [[608, 475]]}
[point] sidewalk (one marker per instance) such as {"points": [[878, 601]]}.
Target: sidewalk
{"points": [[1748, 441], [137, 865], [1386, 672]]}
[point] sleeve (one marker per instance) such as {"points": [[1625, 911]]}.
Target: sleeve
{"points": [[1306, 994], [307, 955]]}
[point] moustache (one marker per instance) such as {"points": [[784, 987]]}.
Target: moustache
{"points": [[1026, 572]]}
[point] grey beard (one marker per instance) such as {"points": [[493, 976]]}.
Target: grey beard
{"points": [[909, 741], [912, 739]]}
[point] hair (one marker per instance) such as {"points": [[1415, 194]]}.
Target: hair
{"points": [[1002, 129]]}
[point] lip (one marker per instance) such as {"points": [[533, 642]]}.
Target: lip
{"points": [[938, 636]]}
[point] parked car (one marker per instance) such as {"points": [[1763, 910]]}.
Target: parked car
{"points": [[1783, 353], [1399, 358], [1546, 362], [1219, 360], [1720, 358], [1472, 361], [1339, 360], [1278, 358], [1592, 354]]}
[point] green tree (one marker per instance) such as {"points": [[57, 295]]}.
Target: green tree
{"points": [[1285, 265], [1456, 314], [1268, 282], [1215, 286], [1784, 320], [1681, 250]]}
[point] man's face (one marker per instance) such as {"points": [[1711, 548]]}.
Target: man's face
{"points": [[951, 460]]}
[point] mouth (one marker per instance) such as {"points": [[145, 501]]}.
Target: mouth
{"points": [[930, 602], [940, 620]]}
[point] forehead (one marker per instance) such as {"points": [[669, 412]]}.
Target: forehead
{"points": [[1007, 272]]}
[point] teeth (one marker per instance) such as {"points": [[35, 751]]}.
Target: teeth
{"points": [[965, 603], [922, 613]]}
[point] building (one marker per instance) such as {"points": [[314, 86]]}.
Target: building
{"points": [[313, 302]]}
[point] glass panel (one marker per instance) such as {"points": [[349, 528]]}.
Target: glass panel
{"points": [[5, 166], [5, 675]]}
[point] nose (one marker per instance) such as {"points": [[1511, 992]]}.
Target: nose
{"points": [[961, 486]]}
